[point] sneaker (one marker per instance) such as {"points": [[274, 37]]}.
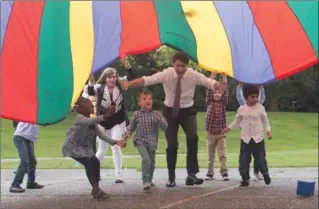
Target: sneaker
{"points": [[209, 177], [193, 180], [258, 176], [16, 189], [146, 186], [119, 181], [34, 186], [101, 195], [244, 184], [225, 177], [153, 184], [267, 179]]}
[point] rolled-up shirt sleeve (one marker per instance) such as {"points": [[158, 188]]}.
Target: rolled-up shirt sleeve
{"points": [[130, 75], [155, 78], [202, 80], [92, 89]]}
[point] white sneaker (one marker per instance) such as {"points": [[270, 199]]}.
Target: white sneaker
{"points": [[146, 186], [225, 177], [209, 177], [258, 176], [153, 184]]}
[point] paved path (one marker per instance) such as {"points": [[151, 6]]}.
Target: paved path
{"points": [[69, 189]]}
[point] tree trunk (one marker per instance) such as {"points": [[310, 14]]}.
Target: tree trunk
{"points": [[273, 104]]}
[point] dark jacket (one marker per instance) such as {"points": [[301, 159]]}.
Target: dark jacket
{"points": [[118, 117]]}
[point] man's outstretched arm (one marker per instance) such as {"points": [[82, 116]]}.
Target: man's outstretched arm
{"points": [[147, 80]]}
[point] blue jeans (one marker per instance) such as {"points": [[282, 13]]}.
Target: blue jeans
{"points": [[28, 162]]}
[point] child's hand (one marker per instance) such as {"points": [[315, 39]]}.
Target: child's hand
{"points": [[225, 131], [158, 116], [121, 143], [224, 77], [125, 85], [269, 135], [127, 135]]}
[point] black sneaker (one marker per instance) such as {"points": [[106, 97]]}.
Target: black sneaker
{"points": [[119, 181], [244, 184], [16, 189], [34, 186], [209, 176], [170, 183], [267, 179]]}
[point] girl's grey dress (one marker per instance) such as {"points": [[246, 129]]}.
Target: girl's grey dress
{"points": [[81, 137]]}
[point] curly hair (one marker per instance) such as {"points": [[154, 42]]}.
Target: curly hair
{"points": [[250, 89]]}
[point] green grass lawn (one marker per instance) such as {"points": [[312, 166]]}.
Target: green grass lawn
{"points": [[294, 144]]}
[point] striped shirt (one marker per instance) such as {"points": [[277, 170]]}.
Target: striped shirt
{"points": [[146, 125], [189, 82]]}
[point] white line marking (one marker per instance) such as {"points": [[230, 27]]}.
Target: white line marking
{"points": [[197, 197]]}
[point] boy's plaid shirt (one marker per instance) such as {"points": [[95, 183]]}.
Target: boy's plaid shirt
{"points": [[146, 125], [216, 113]]}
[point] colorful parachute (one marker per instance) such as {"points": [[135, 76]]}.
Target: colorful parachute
{"points": [[48, 48]]}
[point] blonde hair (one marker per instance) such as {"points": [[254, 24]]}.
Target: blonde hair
{"points": [[108, 71]]}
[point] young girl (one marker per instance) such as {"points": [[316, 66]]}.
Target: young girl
{"points": [[80, 139], [109, 93]]}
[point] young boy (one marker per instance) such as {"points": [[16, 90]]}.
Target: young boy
{"points": [[24, 137], [215, 123], [254, 122], [146, 123], [241, 101]]}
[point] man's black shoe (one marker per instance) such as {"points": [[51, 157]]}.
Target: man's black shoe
{"points": [[192, 179]]}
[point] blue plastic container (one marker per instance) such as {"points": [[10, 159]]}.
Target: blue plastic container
{"points": [[305, 188]]}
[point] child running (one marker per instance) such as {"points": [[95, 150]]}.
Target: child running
{"points": [[215, 123], [80, 139], [146, 123], [253, 120]]}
